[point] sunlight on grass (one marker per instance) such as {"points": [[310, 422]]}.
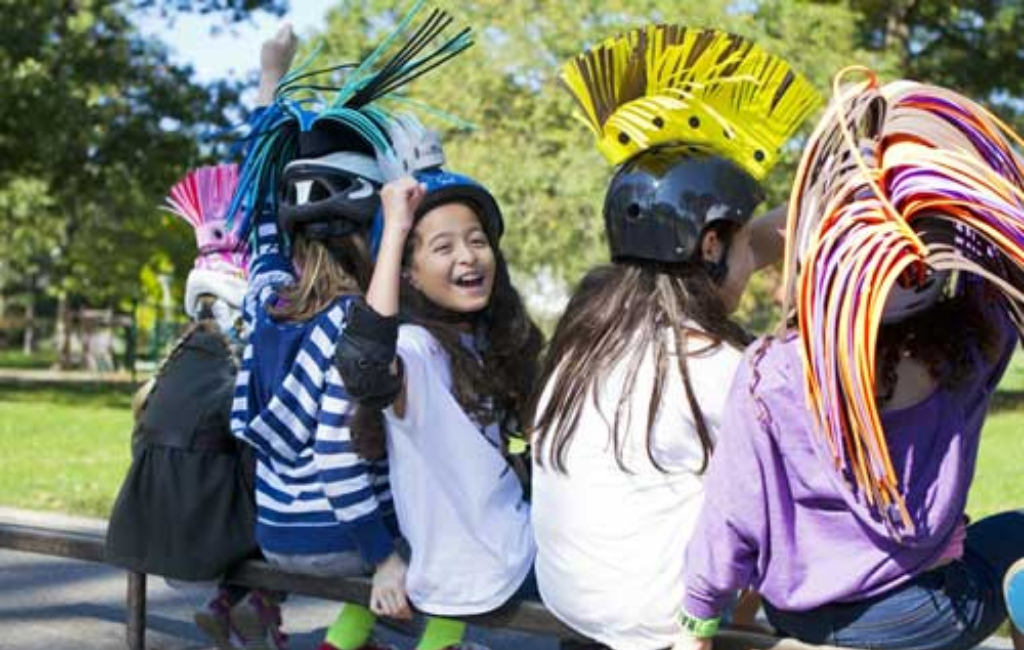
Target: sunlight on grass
{"points": [[63, 450], [67, 449]]}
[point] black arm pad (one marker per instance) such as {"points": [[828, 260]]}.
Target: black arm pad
{"points": [[365, 355]]}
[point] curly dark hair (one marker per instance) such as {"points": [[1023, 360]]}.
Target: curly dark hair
{"points": [[941, 338], [492, 383]]}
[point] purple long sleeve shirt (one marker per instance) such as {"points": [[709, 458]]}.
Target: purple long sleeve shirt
{"points": [[778, 518]]}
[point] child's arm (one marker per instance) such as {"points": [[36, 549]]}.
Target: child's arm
{"points": [[276, 56], [399, 200], [268, 265], [768, 236], [722, 553], [366, 354]]}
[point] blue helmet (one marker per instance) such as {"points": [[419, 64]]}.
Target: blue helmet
{"points": [[449, 187]]}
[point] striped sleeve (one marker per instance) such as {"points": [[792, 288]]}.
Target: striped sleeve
{"points": [[349, 481], [269, 267]]}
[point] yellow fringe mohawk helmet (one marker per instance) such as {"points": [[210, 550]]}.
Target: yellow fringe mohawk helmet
{"points": [[695, 119], [669, 84], [906, 193]]}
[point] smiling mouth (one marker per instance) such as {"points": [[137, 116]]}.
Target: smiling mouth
{"points": [[470, 281]]}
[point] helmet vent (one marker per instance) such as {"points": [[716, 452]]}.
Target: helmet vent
{"points": [[633, 211], [694, 122], [658, 122], [624, 138]]}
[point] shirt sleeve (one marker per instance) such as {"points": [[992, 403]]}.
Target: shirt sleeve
{"points": [[347, 482], [722, 553]]}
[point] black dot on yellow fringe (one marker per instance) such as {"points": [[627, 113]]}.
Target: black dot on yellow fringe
{"points": [[669, 84]]}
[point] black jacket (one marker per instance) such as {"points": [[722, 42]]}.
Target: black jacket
{"points": [[186, 508]]}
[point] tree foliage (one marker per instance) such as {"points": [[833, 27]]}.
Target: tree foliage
{"points": [[972, 46], [527, 146], [95, 124]]}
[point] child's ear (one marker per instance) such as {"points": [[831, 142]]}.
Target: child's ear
{"points": [[711, 247]]}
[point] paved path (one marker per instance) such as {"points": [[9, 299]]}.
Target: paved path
{"points": [[37, 376], [51, 603]]}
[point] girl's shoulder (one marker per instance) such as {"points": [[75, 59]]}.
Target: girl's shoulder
{"points": [[773, 363], [417, 340]]}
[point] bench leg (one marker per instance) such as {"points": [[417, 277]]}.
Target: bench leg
{"points": [[136, 624]]}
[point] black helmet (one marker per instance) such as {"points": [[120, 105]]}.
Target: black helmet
{"points": [[660, 202], [333, 187]]}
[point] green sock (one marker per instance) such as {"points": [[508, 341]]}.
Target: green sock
{"points": [[440, 633], [351, 630]]}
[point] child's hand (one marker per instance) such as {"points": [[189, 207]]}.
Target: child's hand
{"points": [[387, 595], [277, 52], [400, 198], [275, 58]]}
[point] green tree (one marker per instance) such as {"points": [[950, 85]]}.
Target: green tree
{"points": [[95, 125], [528, 147], [972, 46]]}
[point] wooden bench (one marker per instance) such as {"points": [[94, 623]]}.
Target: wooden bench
{"points": [[32, 532]]}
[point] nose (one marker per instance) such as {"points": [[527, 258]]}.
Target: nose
{"points": [[465, 254]]}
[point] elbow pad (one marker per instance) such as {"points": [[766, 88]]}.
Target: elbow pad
{"points": [[365, 355]]}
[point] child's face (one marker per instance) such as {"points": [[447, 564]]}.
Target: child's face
{"points": [[452, 260]]}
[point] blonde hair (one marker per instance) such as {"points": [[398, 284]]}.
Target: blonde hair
{"points": [[140, 397], [326, 270]]}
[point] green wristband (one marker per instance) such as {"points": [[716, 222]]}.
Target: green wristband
{"points": [[702, 628]]}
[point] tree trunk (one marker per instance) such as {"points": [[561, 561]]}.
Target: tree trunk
{"points": [[28, 344], [62, 334]]}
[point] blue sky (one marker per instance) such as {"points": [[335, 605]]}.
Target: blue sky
{"points": [[219, 50]]}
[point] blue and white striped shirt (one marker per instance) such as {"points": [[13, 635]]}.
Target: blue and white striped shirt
{"points": [[314, 494]]}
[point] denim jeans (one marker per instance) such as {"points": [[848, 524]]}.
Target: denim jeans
{"points": [[953, 607]]}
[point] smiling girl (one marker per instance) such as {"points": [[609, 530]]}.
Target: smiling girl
{"points": [[453, 381]]}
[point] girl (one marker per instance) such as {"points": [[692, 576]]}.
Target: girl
{"points": [[186, 508], [460, 370], [321, 509], [633, 381], [842, 502]]}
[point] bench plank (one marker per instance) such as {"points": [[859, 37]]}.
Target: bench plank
{"points": [[85, 540]]}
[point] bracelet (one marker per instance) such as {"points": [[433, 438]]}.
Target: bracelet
{"points": [[702, 628]]}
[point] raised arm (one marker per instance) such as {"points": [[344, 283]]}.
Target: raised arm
{"points": [[276, 56], [767, 236], [366, 353]]}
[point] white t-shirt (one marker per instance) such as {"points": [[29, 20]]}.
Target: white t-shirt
{"points": [[459, 505], [611, 543]]}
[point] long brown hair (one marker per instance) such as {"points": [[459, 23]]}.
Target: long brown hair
{"points": [[326, 270], [619, 312], [495, 381]]}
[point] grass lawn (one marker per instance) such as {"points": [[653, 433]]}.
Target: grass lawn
{"points": [[16, 359], [67, 449], [63, 449]]}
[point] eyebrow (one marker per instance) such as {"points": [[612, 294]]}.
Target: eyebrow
{"points": [[475, 228]]}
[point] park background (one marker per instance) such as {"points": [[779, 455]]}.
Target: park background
{"points": [[103, 105]]}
